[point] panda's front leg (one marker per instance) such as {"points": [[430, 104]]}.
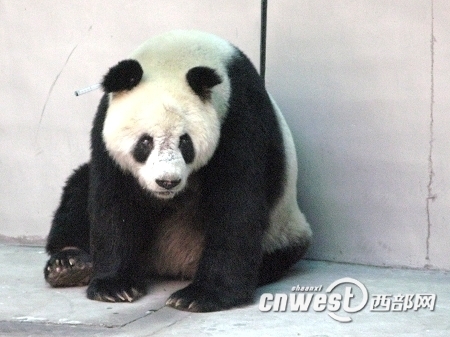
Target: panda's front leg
{"points": [[117, 238], [117, 274], [228, 269]]}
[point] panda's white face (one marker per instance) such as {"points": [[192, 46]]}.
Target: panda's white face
{"points": [[166, 105], [160, 135]]}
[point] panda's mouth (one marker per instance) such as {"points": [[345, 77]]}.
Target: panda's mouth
{"points": [[164, 194]]}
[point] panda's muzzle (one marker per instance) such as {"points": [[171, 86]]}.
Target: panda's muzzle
{"points": [[164, 172]]}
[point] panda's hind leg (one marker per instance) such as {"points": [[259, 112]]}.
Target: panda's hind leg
{"points": [[68, 241]]}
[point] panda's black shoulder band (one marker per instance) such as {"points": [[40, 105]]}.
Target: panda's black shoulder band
{"points": [[202, 79], [124, 76]]}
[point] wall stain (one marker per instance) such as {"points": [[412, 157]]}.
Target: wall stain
{"points": [[52, 86], [430, 196]]}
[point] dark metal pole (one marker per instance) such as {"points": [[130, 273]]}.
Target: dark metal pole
{"points": [[262, 53]]}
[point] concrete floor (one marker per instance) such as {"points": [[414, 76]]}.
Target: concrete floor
{"points": [[28, 307]]}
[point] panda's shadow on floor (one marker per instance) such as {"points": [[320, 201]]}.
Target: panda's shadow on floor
{"points": [[303, 269], [294, 276]]}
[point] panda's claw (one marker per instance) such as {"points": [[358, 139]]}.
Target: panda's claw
{"points": [[128, 297], [135, 292], [193, 306], [107, 298], [179, 303], [170, 302], [125, 297]]}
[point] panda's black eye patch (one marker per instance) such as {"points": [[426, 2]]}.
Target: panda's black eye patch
{"points": [[143, 148], [187, 148]]}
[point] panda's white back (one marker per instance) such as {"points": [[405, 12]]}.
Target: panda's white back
{"points": [[287, 222]]}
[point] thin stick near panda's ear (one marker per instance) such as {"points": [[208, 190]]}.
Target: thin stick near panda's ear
{"points": [[87, 89]]}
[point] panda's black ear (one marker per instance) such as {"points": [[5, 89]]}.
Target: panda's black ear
{"points": [[124, 76], [202, 79]]}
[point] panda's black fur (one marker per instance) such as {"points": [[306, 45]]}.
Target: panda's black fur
{"points": [[109, 231]]}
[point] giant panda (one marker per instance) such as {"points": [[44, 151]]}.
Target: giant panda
{"points": [[192, 175]]}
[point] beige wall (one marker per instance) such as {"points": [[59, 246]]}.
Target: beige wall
{"points": [[355, 80]]}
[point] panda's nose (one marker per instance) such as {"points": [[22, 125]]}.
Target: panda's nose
{"points": [[168, 184]]}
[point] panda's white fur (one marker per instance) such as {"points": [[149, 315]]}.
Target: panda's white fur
{"points": [[164, 106]]}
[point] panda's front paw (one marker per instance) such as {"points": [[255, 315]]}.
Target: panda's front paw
{"points": [[68, 268], [112, 289], [195, 298]]}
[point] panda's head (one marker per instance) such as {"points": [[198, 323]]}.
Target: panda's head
{"points": [[159, 126]]}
